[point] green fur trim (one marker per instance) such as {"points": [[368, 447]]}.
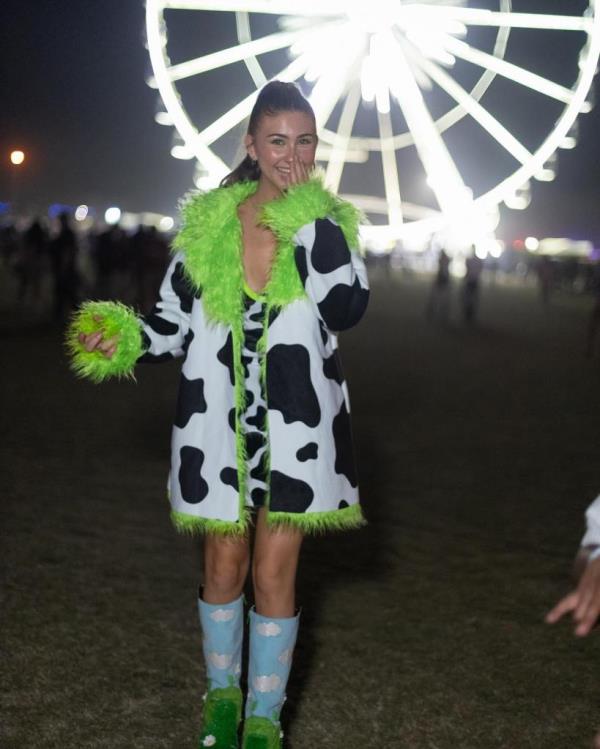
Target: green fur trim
{"points": [[195, 525], [221, 717], [261, 733], [211, 241], [306, 202], [115, 320], [313, 523]]}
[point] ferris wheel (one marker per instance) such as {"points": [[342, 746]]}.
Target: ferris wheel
{"points": [[429, 112]]}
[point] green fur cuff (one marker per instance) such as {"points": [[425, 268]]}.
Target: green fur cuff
{"points": [[306, 202], [114, 319]]}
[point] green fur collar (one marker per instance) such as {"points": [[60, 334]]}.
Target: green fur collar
{"points": [[211, 241]]}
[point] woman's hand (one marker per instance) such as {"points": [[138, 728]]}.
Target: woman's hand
{"points": [[96, 342], [299, 171], [583, 602]]}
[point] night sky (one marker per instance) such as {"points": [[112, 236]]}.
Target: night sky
{"points": [[72, 75]]}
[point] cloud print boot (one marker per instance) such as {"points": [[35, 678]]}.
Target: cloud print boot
{"points": [[223, 630], [272, 644]]}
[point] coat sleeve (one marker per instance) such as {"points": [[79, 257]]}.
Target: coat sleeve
{"points": [[324, 231], [158, 336], [334, 277], [165, 329]]}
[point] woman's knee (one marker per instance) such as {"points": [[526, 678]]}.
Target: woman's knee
{"points": [[225, 566], [273, 577]]}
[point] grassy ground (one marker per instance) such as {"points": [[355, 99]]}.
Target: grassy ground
{"points": [[478, 454]]}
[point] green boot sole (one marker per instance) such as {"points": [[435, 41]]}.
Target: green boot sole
{"points": [[261, 733], [221, 718]]}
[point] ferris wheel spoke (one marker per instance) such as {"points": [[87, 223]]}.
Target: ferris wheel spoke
{"points": [[244, 34], [503, 136], [236, 114], [278, 7], [231, 54], [337, 159], [481, 17], [508, 70], [390, 169], [442, 174], [330, 86]]}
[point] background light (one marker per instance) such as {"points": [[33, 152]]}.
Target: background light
{"points": [[81, 212], [532, 244], [17, 157], [112, 215], [166, 223]]}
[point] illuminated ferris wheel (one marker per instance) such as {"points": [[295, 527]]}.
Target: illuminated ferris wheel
{"points": [[429, 112]]}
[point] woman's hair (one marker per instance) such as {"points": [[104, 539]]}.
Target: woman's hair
{"points": [[275, 97]]}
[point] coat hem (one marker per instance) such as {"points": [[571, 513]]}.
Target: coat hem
{"points": [[314, 523], [195, 525]]}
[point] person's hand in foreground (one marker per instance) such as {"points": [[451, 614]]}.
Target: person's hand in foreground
{"points": [[583, 603]]}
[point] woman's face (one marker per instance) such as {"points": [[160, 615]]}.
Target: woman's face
{"points": [[279, 139]]}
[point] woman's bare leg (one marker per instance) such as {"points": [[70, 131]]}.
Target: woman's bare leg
{"points": [[226, 563], [276, 552]]}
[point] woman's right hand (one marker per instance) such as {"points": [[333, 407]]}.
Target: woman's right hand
{"points": [[96, 342]]}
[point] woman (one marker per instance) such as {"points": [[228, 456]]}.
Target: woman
{"points": [[265, 273]]}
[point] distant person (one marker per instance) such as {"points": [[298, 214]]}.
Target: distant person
{"points": [[583, 603], [545, 275], [438, 305], [63, 257], [30, 259], [470, 290], [593, 333]]}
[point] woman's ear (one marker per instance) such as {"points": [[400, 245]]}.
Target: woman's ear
{"points": [[249, 144]]}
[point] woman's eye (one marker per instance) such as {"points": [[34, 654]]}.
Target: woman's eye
{"points": [[305, 141], [277, 142]]}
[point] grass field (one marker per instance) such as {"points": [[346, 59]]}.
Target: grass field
{"points": [[478, 452]]}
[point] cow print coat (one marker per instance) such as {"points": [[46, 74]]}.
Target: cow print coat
{"points": [[317, 287]]}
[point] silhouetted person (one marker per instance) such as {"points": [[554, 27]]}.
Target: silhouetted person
{"points": [[155, 255], [63, 255], [593, 336], [29, 264], [438, 305], [545, 277], [470, 291], [106, 261]]}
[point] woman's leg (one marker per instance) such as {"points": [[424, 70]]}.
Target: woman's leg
{"points": [[273, 630], [276, 552], [226, 563], [221, 612]]}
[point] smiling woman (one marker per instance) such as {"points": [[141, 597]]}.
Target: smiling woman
{"points": [[266, 272]]}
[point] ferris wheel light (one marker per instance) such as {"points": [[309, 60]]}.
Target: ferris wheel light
{"points": [[568, 143], [163, 118]]}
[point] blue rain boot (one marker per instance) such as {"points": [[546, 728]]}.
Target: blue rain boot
{"points": [[223, 631], [272, 644]]}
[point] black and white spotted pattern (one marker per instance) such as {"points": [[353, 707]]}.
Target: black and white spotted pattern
{"points": [[305, 407], [254, 417]]}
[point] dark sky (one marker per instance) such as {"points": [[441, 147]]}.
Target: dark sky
{"points": [[73, 96]]}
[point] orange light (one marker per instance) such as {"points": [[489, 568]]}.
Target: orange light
{"points": [[17, 157]]}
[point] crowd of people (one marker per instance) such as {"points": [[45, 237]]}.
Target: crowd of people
{"points": [[74, 265]]}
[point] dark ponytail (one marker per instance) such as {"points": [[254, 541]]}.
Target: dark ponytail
{"points": [[275, 97], [247, 170]]}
